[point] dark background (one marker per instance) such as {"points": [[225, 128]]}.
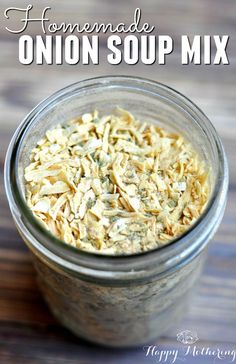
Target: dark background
{"points": [[28, 332]]}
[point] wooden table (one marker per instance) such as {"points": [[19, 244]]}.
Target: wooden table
{"points": [[28, 332]]}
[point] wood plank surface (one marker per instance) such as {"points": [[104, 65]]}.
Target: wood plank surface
{"points": [[28, 332]]}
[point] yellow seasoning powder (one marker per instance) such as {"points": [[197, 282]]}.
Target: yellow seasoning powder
{"points": [[115, 185]]}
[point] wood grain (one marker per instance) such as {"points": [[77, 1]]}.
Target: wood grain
{"points": [[28, 332]]}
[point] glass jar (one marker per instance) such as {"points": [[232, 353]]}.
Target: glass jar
{"points": [[118, 300]]}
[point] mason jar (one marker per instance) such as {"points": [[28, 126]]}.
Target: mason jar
{"points": [[118, 300]]}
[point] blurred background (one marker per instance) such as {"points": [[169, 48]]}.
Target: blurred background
{"points": [[28, 332]]}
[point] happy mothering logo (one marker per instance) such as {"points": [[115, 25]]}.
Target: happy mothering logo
{"points": [[188, 350], [187, 337]]}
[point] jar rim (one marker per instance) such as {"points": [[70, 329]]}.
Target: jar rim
{"points": [[72, 258]]}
